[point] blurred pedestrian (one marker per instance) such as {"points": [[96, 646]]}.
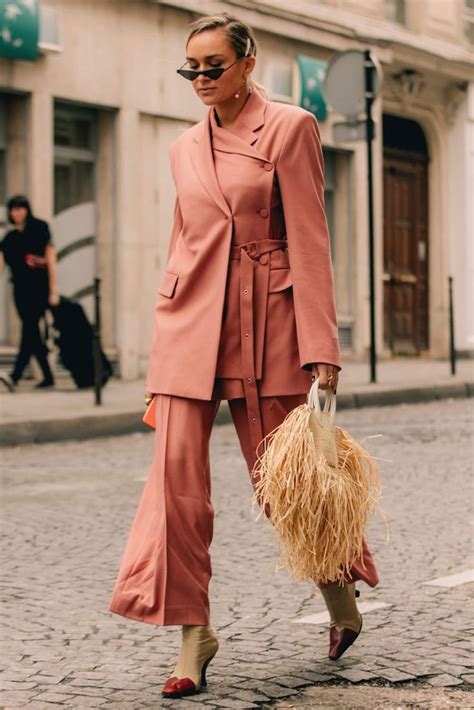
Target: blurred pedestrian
{"points": [[28, 251]]}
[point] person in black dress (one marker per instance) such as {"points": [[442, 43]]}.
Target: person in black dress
{"points": [[29, 253]]}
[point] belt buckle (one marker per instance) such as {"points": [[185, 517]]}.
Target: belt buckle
{"points": [[256, 251], [252, 249]]}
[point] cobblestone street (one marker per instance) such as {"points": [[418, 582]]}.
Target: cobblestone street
{"points": [[66, 512]]}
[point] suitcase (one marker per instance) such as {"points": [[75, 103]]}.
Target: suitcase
{"points": [[75, 341]]}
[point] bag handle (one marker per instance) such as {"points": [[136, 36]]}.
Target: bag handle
{"points": [[329, 403]]}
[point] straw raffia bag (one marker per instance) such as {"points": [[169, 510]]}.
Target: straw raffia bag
{"points": [[321, 487]]}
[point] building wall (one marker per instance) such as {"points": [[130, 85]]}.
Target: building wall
{"points": [[124, 66], [461, 222]]}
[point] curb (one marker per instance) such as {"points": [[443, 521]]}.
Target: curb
{"points": [[88, 427], [406, 395]]}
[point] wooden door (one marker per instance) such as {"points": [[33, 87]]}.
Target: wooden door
{"points": [[405, 255]]}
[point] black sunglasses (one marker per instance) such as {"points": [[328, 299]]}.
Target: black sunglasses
{"points": [[214, 74]]}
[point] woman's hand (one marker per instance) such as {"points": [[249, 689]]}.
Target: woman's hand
{"points": [[148, 397], [328, 375], [36, 262]]}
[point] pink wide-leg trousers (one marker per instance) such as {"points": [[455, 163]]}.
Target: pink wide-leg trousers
{"points": [[166, 567]]}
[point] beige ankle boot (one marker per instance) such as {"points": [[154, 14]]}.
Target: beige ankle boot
{"points": [[342, 606], [199, 646], [345, 619]]}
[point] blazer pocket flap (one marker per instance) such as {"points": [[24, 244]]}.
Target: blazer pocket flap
{"points": [[280, 279], [168, 284]]}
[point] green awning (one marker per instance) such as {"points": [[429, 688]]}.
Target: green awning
{"points": [[19, 29], [310, 76]]}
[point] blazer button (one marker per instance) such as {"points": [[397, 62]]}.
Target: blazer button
{"points": [[264, 259], [263, 212], [268, 166]]}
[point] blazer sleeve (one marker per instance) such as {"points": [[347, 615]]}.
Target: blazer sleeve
{"points": [[300, 171], [177, 215]]}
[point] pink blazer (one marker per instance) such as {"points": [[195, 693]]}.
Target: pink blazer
{"points": [[282, 302]]}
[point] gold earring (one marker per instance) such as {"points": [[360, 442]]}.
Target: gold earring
{"points": [[238, 93]]}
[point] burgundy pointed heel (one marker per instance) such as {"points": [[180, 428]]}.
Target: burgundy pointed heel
{"points": [[180, 687], [343, 612], [339, 641]]}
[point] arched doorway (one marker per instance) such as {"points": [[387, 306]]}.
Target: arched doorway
{"points": [[406, 243]]}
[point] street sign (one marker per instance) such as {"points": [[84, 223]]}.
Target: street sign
{"points": [[344, 84], [308, 78], [351, 85], [19, 29]]}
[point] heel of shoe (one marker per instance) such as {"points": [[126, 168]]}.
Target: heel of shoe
{"points": [[204, 669]]}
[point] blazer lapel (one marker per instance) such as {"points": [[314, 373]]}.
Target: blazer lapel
{"points": [[203, 163], [238, 140]]}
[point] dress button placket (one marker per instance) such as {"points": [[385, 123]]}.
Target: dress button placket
{"points": [[247, 346]]}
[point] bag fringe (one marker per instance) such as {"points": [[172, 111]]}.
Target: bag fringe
{"points": [[319, 512]]}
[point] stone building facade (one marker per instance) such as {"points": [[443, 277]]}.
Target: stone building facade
{"points": [[85, 127]]}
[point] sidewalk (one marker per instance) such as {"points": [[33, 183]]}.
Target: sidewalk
{"points": [[67, 413]]}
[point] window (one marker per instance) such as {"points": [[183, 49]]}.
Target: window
{"points": [[74, 130], [73, 183], [74, 225], [4, 288], [277, 78], [338, 209], [75, 155], [3, 158], [394, 11], [48, 29], [468, 21], [330, 193]]}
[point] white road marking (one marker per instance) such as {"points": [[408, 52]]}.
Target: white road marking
{"points": [[323, 617], [453, 580]]}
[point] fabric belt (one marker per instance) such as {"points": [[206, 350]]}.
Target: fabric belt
{"points": [[254, 282]]}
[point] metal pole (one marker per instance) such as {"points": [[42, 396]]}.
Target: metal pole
{"points": [[369, 99], [452, 345], [96, 345]]}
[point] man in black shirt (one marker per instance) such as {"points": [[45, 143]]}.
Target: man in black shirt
{"points": [[30, 255]]}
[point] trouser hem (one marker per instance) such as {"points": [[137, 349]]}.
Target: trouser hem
{"points": [[172, 616]]}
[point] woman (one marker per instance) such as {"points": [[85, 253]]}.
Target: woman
{"points": [[245, 312], [28, 251]]}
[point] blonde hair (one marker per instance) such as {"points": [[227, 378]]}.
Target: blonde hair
{"points": [[239, 35]]}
